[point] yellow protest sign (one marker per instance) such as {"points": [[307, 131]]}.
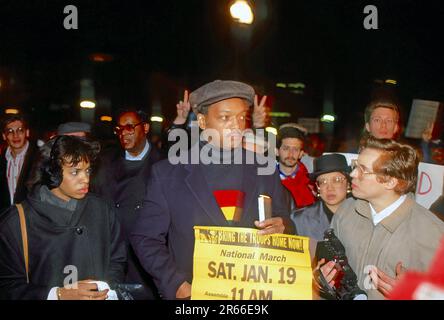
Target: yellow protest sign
{"points": [[239, 264]]}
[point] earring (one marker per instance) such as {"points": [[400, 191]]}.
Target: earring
{"points": [[349, 190]]}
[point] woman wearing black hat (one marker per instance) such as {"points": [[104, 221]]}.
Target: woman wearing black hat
{"points": [[333, 184]]}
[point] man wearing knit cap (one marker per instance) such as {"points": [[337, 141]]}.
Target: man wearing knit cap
{"points": [[181, 196]]}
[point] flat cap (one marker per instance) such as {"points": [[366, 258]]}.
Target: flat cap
{"points": [[70, 127], [218, 90]]}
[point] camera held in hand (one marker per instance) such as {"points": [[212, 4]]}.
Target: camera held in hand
{"points": [[346, 282]]}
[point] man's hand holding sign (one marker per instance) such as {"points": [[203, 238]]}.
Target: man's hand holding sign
{"points": [[240, 264], [250, 264]]}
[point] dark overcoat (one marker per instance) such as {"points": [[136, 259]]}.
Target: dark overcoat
{"points": [[179, 198], [87, 241], [125, 193]]}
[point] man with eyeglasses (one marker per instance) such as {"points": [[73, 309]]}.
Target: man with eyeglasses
{"points": [[384, 231], [122, 179], [382, 120], [16, 161]]}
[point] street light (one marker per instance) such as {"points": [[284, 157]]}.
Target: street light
{"points": [[11, 111], [241, 11], [391, 81], [328, 118], [106, 118], [156, 119], [87, 104]]}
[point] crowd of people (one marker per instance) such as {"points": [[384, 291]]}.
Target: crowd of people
{"points": [[82, 222]]}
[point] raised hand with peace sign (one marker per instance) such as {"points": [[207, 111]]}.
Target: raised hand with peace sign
{"points": [[261, 113], [183, 109]]}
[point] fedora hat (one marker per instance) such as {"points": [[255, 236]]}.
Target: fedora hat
{"points": [[333, 162]]}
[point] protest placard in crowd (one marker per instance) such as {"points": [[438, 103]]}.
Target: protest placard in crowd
{"points": [[240, 264], [430, 183], [422, 114]]}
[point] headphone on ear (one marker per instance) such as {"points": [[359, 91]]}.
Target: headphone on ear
{"points": [[53, 173]]}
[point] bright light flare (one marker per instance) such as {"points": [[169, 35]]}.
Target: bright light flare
{"points": [[106, 118], [241, 11], [11, 111], [156, 119], [87, 104], [271, 130], [328, 118]]}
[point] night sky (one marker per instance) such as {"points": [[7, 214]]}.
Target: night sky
{"points": [[158, 48]]}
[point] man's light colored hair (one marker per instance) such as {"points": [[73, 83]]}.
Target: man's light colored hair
{"points": [[397, 160], [372, 106]]}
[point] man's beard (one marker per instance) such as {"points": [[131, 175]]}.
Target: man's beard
{"points": [[289, 162]]}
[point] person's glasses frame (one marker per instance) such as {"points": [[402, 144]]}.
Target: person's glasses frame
{"points": [[336, 182], [118, 130], [11, 131], [388, 122], [359, 169]]}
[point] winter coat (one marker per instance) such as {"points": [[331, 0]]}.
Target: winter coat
{"points": [[411, 235], [61, 243]]}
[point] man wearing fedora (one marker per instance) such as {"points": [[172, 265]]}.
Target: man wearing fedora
{"points": [[331, 175], [184, 195], [384, 231]]}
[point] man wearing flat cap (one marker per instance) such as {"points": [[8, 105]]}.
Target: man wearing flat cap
{"points": [[260, 114], [190, 194]]}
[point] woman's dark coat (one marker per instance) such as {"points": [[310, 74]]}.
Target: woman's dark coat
{"points": [[87, 240]]}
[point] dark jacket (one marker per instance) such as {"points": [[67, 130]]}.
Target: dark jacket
{"points": [[311, 221], [124, 191], [124, 188], [179, 198], [25, 173], [88, 238]]}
